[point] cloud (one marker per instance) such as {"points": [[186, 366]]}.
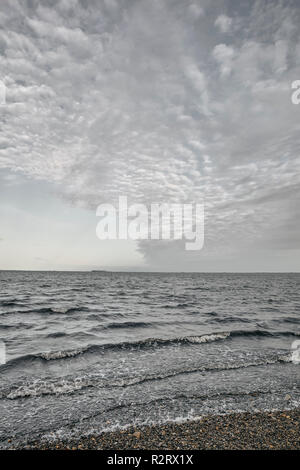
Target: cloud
{"points": [[224, 56], [195, 11], [149, 100], [224, 23]]}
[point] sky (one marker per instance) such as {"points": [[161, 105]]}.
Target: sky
{"points": [[162, 101]]}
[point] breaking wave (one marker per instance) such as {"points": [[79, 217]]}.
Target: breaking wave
{"points": [[144, 344], [72, 385]]}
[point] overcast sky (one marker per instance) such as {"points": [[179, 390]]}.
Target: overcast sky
{"points": [[159, 100]]}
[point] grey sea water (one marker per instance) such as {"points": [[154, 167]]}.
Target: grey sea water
{"points": [[92, 351]]}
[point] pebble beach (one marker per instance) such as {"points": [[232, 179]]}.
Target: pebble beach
{"points": [[237, 431]]}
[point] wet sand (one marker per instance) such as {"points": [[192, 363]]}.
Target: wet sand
{"points": [[268, 430]]}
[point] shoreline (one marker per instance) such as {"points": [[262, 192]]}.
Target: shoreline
{"points": [[238, 431]]}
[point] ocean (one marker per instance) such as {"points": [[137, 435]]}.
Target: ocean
{"points": [[87, 352]]}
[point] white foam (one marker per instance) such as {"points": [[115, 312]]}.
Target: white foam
{"points": [[61, 354], [208, 338], [39, 388]]}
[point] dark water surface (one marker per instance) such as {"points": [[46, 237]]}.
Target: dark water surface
{"points": [[92, 351]]}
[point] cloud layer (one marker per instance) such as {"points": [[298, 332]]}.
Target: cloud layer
{"points": [[169, 101]]}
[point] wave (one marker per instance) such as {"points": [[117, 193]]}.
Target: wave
{"points": [[147, 343], [16, 326], [40, 388], [263, 333], [144, 344], [229, 319], [58, 334], [73, 385], [52, 355], [9, 303], [287, 320], [198, 288], [124, 382], [127, 324], [60, 310], [49, 311], [178, 305]]}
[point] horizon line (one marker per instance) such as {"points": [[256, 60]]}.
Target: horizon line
{"points": [[144, 272]]}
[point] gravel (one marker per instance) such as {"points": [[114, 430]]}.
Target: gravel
{"points": [[263, 430]]}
